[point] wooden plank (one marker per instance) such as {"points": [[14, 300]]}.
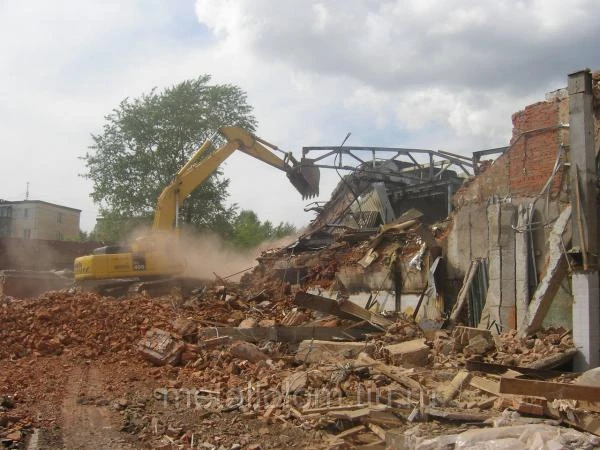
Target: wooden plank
{"points": [[461, 300], [549, 389], [479, 366], [356, 414], [327, 409], [390, 372], [284, 334], [350, 414], [350, 432], [455, 416], [380, 432], [489, 386], [449, 391]]}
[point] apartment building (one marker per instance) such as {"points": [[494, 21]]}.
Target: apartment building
{"points": [[36, 219]]}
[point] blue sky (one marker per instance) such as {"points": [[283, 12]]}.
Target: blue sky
{"points": [[414, 73]]}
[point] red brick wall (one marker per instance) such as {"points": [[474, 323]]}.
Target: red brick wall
{"points": [[533, 154], [525, 168]]}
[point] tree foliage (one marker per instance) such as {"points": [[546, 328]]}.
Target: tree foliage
{"points": [[249, 231], [146, 140]]}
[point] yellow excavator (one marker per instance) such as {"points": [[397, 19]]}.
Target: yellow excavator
{"points": [[153, 260]]}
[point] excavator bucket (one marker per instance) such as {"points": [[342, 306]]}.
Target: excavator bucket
{"points": [[305, 177]]}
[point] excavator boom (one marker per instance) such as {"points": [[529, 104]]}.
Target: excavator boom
{"points": [[303, 175]]}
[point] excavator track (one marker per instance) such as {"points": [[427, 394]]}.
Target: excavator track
{"points": [[152, 288]]}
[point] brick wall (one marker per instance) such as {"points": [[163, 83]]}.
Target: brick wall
{"points": [[533, 153], [525, 168]]}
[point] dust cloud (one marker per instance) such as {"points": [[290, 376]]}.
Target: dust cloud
{"points": [[208, 254]]}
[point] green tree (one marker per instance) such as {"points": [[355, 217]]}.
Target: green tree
{"points": [[248, 231], [146, 140]]}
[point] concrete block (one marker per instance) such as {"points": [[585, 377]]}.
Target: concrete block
{"points": [[413, 353], [311, 351], [586, 320], [160, 347]]}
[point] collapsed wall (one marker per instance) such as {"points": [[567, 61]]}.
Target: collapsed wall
{"points": [[506, 214]]}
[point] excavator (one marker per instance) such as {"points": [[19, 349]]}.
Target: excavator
{"points": [[153, 259]]}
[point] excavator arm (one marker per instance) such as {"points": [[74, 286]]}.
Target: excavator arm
{"points": [[303, 175]]}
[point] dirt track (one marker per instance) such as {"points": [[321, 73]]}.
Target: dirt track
{"points": [[86, 424]]}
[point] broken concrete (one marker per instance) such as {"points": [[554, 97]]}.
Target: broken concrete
{"points": [[316, 351], [413, 353], [556, 269], [160, 347]]}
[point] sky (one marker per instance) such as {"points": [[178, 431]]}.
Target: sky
{"points": [[435, 74]]}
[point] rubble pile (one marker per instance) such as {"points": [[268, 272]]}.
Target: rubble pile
{"points": [[87, 324], [208, 366], [268, 363]]}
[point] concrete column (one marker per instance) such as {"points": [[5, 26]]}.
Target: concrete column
{"points": [[582, 157], [586, 320]]}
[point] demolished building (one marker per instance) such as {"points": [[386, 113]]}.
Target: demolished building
{"points": [[430, 305], [500, 229]]}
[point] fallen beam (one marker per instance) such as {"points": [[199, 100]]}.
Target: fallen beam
{"points": [[284, 334], [450, 390], [457, 416], [550, 362], [392, 373], [499, 369], [556, 270], [549, 390], [485, 385], [342, 309]]}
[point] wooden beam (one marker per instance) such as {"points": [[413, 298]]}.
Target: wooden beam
{"points": [[499, 369], [449, 391], [350, 432], [549, 390], [380, 432], [457, 416], [284, 334], [390, 372], [489, 386]]}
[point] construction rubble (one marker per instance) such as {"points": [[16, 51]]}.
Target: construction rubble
{"points": [[446, 302], [269, 365]]}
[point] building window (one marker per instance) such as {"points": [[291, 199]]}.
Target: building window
{"points": [[26, 233], [26, 212], [60, 217], [60, 236]]}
